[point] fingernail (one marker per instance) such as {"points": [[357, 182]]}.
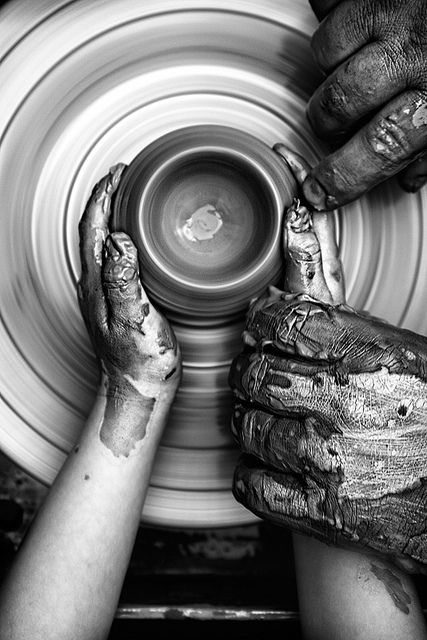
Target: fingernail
{"points": [[314, 193], [297, 164], [116, 173]]}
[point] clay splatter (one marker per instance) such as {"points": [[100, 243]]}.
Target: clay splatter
{"points": [[394, 586], [134, 410], [419, 118]]}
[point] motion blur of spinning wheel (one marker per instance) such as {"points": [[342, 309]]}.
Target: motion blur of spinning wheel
{"points": [[88, 83]]}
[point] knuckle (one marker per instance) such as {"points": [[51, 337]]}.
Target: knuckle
{"points": [[398, 62], [392, 64], [330, 105], [320, 48], [341, 33], [402, 30]]}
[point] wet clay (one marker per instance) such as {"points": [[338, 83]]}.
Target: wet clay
{"points": [[125, 419], [166, 339], [394, 586], [331, 407]]}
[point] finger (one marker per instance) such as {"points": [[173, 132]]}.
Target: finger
{"points": [[288, 324], [303, 258], [93, 230], [369, 79], [313, 265], [93, 227], [314, 507], [322, 7], [324, 228], [120, 276], [284, 386], [382, 148], [347, 341], [278, 498], [127, 302], [342, 32], [307, 506], [414, 176], [296, 324], [287, 444]]}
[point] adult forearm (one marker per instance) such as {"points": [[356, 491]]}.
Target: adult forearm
{"points": [[70, 569]]}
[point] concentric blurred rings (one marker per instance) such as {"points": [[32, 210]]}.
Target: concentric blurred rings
{"points": [[88, 83], [204, 206]]}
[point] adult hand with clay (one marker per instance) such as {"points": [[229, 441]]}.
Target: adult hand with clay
{"points": [[333, 413], [77, 551], [372, 105], [331, 417]]}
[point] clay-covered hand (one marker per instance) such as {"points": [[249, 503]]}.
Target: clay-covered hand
{"points": [[134, 343], [331, 413], [372, 105]]}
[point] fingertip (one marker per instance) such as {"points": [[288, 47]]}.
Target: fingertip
{"points": [[315, 194], [104, 188], [116, 172]]}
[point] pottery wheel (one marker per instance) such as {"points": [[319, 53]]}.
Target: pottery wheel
{"points": [[87, 84]]}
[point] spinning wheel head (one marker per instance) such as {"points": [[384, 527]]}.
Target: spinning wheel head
{"points": [[204, 205], [81, 93]]}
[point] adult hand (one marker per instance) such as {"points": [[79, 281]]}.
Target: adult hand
{"points": [[331, 414], [135, 345], [372, 105]]}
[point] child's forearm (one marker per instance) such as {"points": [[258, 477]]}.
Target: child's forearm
{"points": [[70, 569]]}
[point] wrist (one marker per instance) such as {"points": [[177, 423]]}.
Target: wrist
{"points": [[129, 419], [124, 391]]}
